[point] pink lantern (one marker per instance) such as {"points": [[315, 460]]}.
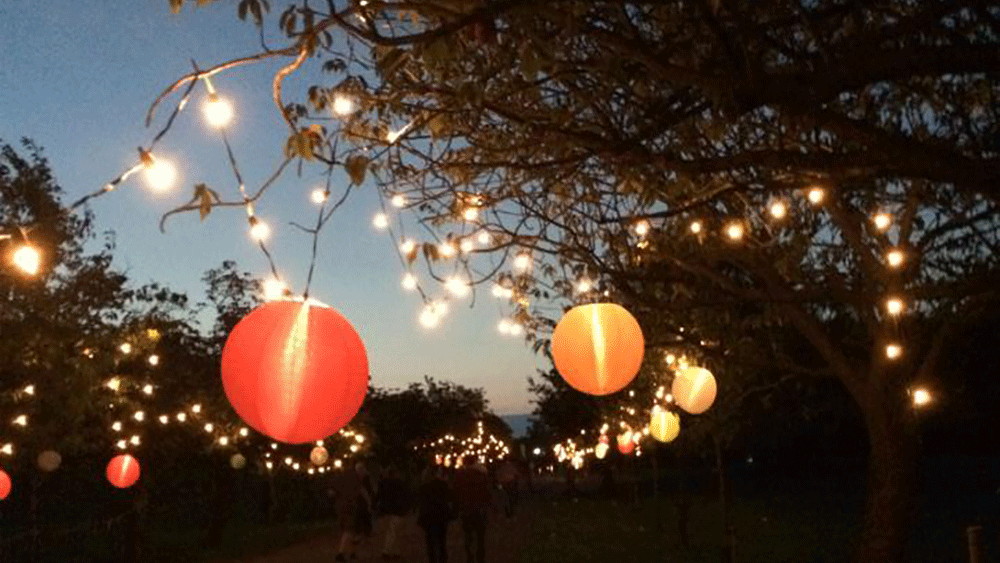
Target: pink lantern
{"points": [[5, 484], [123, 471], [295, 371]]}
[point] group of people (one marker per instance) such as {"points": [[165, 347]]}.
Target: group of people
{"points": [[467, 496]]}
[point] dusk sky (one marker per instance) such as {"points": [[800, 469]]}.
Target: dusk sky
{"points": [[83, 95]]}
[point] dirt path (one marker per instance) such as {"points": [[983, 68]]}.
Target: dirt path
{"points": [[503, 542]]}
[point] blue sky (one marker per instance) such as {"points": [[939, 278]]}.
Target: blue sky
{"points": [[77, 76]]}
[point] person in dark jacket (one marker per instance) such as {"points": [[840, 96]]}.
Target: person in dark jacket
{"points": [[474, 497], [393, 503], [434, 512]]}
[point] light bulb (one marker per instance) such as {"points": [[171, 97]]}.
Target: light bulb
{"points": [[407, 246], [148, 389], [522, 262], [27, 259], [181, 417], [483, 237], [7, 449], [446, 249], [114, 383], [921, 397], [695, 227], [218, 111], [259, 229], [196, 408], [126, 348], [882, 221], [343, 105], [642, 228], [816, 195], [399, 200], [734, 231], [30, 389], [164, 419], [409, 282], [895, 258], [457, 286], [154, 360], [503, 326], [894, 306], [778, 210], [466, 245], [244, 432], [516, 329], [122, 444], [470, 213], [274, 289], [223, 441], [160, 174], [583, 286], [139, 416], [428, 319], [134, 440], [319, 196], [380, 221], [893, 351], [21, 420], [209, 427]]}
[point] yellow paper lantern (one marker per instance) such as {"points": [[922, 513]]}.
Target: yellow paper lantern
{"points": [[598, 348], [694, 389], [664, 425]]}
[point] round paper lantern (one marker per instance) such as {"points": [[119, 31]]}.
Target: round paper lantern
{"points": [[5, 484], [123, 471], [237, 461], [694, 389], [598, 348], [319, 455], [625, 443], [664, 425], [49, 461], [295, 371], [601, 450]]}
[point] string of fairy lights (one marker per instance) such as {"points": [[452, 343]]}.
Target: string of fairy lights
{"points": [[450, 451]]}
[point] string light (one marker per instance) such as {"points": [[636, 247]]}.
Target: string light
{"points": [[921, 397], [407, 246], [894, 306], [409, 282], [147, 389], [27, 259], [642, 228], [259, 229], [882, 221], [522, 262], [164, 419], [343, 105], [154, 360], [503, 326], [209, 427], [381, 221], [244, 432], [319, 196], [734, 231], [778, 209], [583, 286], [893, 351], [223, 441], [134, 440], [218, 111], [122, 444], [816, 195], [695, 227], [457, 286], [139, 416], [114, 383], [21, 420], [181, 417], [398, 200], [126, 348], [29, 390], [470, 213], [446, 249], [483, 237], [7, 449], [895, 258], [502, 292], [196, 408], [274, 289], [466, 246], [160, 174]]}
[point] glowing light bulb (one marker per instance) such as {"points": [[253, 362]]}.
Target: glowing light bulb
{"points": [[816, 195], [319, 196], [218, 111], [921, 397], [380, 221], [114, 383], [428, 319], [274, 289], [516, 329], [778, 210], [407, 246], [209, 427], [126, 348], [359, 438], [7, 449], [147, 389], [642, 228], [894, 306], [160, 174], [259, 229], [409, 282], [446, 249], [139, 416], [134, 440], [503, 326], [399, 200], [196, 408], [522, 262], [343, 105], [21, 420], [30, 389], [27, 259], [223, 441], [483, 237], [466, 246], [391, 136], [734, 231], [164, 419], [893, 351], [695, 227], [470, 213], [154, 360], [457, 286], [882, 221], [583, 286], [895, 258], [122, 444], [181, 417]]}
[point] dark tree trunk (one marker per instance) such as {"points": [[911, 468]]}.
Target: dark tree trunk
{"points": [[891, 474]]}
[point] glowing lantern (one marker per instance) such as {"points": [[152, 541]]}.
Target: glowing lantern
{"points": [[123, 471], [319, 455], [601, 450], [598, 348], [625, 443], [237, 461], [295, 371], [5, 484], [49, 461], [664, 425], [694, 389]]}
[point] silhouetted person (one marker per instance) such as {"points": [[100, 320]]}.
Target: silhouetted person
{"points": [[508, 475], [472, 495], [434, 511], [393, 501], [354, 510]]}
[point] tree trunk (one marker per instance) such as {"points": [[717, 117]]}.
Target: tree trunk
{"points": [[891, 473]]}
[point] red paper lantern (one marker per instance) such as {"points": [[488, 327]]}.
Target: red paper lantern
{"points": [[123, 471], [598, 348], [5, 484], [295, 371]]}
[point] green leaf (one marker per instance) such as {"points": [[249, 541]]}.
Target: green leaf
{"points": [[357, 167]]}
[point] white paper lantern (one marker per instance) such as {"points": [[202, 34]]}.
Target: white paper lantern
{"points": [[49, 461], [319, 455], [694, 389], [238, 461]]}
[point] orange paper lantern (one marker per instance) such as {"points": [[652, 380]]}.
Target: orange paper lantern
{"points": [[694, 389], [123, 471], [5, 484], [664, 425], [295, 371], [598, 348]]}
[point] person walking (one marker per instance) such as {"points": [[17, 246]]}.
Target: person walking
{"points": [[434, 512], [473, 496], [354, 511], [393, 503], [508, 476]]}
